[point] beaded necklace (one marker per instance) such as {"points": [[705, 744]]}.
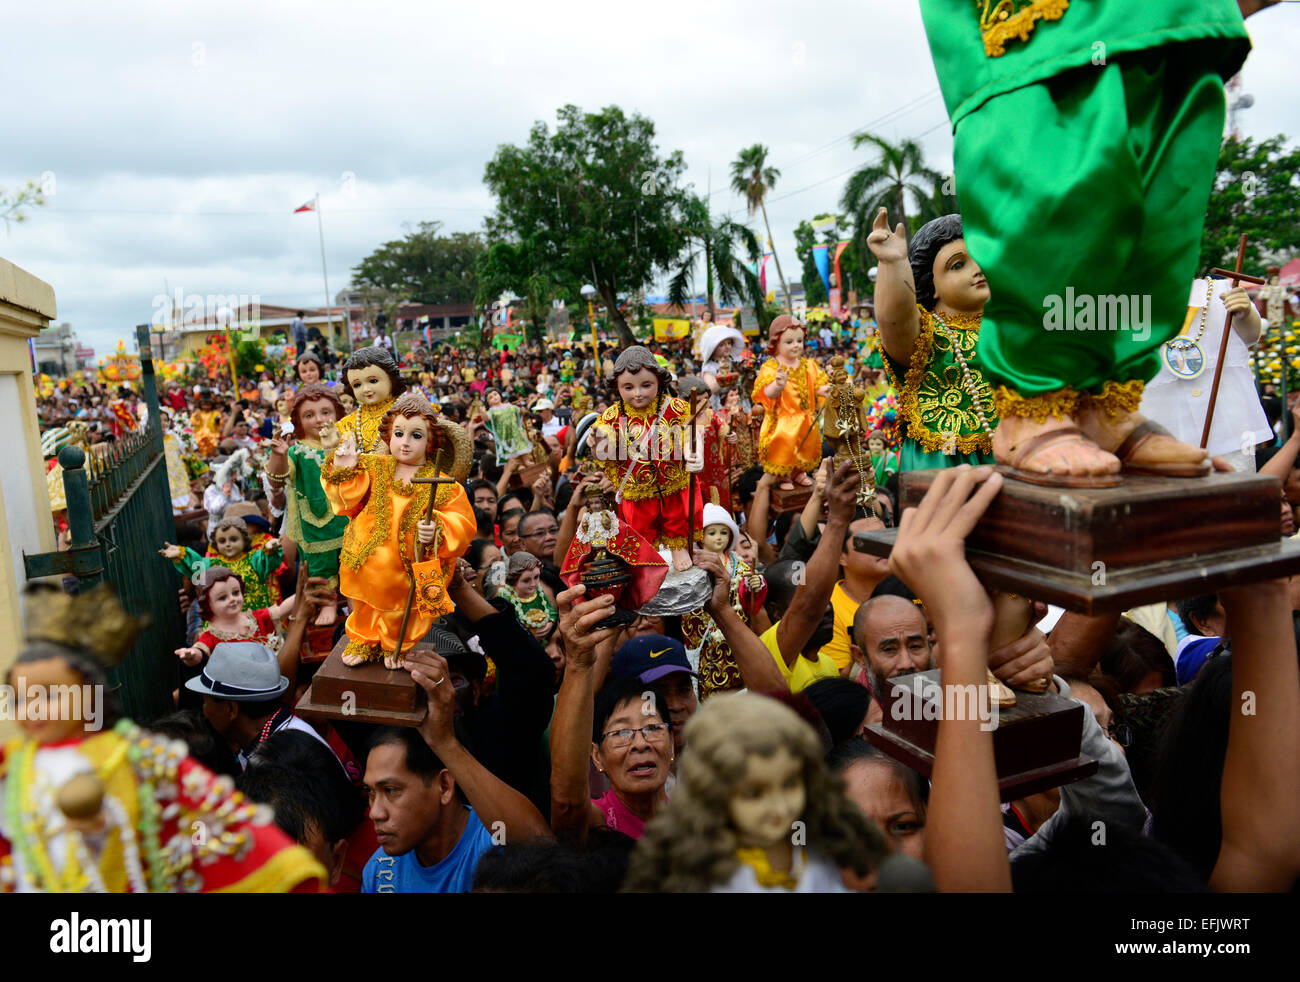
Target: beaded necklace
{"points": [[968, 381]]}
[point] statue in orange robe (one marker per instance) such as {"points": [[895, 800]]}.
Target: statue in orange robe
{"points": [[386, 507], [788, 388]]}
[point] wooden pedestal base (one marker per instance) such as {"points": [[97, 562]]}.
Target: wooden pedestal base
{"points": [[368, 693], [1109, 549], [1036, 742], [786, 501], [524, 477]]}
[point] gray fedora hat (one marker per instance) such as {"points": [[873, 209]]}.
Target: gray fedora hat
{"points": [[242, 671]]}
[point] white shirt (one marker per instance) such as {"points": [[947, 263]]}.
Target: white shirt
{"points": [[1180, 404]]}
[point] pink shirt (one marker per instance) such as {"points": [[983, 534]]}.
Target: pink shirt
{"points": [[617, 815]]}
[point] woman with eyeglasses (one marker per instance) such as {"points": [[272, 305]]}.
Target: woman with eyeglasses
{"points": [[620, 729]]}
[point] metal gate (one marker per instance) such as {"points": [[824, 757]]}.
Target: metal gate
{"points": [[119, 515]]}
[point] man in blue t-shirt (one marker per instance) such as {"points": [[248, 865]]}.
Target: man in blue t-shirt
{"points": [[429, 841], [430, 835]]}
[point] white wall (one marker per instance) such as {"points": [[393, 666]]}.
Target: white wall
{"points": [[25, 515]]}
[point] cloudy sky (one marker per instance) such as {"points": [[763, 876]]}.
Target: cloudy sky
{"points": [[176, 144]]}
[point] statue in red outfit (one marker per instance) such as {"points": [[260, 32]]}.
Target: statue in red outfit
{"points": [[608, 556], [643, 445]]}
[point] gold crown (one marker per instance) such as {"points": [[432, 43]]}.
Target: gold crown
{"points": [[93, 621]]}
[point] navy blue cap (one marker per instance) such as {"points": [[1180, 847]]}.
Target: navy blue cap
{"points": [[650, 657]]}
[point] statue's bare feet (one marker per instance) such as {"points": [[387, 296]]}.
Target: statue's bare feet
{"points": [[356, 654], [327, 616], [682, 559], [786, 486], [393, 661], [803, 480], [1055, 453], [1142, 446]]}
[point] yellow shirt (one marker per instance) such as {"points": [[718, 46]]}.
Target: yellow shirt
{"points": [[838, 646], [806, 671]]}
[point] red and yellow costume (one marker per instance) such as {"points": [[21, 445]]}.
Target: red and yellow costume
{"points": [[169, 824], [791, 440], [718, 669], [715, 476], [603, 530], [379, 548], [648, 469]]}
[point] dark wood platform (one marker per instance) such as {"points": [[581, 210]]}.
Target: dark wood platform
{"points": [[1036, 742], [787, 501], [1107, 549], [369, 693]]}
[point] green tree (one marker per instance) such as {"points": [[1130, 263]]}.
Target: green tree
{"points": [[885, 183], [424, 266], [592, 202], [752, 177], [1256, 191], [725, 248]]}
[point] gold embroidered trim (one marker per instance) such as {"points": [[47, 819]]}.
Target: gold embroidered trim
{"points": [[1119, 397], [1053, 405], [948, 390], [381, 501], [1007, 23], [337, 475], [367, 650]]}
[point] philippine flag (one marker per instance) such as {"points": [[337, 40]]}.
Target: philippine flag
{"points": [[309, 206]]}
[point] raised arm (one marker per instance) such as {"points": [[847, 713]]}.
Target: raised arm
{"points": [[896, 313], [813, 596], [491, 798], [1280, 464], [756, 520], [572, 811], [1260, 795], [964, 844]]}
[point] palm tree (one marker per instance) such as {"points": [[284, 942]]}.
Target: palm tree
{"points": [[885, 183], [751, 177], [723, 245]]}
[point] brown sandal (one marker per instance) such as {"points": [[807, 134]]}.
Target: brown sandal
{"points": [[1143, 433], [1034, 444]]}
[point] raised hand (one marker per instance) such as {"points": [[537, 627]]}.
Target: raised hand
{"points": [[279, 446], [346, 455], [577, 620], [429, 671], [887, 246], [169, 551], [712, 564], [329, 437], [191, 656], [929, 554]]}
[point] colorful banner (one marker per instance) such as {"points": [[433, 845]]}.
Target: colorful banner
{"points": [[671, 328], [835, 301], [839, 251], [822, 261], [762, 274]]}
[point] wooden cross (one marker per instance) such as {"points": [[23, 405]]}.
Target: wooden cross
{"points": [[1237, 277], [419, 546]]}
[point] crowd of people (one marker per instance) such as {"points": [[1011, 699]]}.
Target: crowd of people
{"points": [[569, 755]]}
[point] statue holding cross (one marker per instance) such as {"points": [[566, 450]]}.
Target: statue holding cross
{"points": [[410, 521]]}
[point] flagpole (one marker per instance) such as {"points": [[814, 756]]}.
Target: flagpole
{"points": [[329, 304]]}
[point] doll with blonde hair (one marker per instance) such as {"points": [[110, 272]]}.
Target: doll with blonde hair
{"points": [[755, 809]]}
